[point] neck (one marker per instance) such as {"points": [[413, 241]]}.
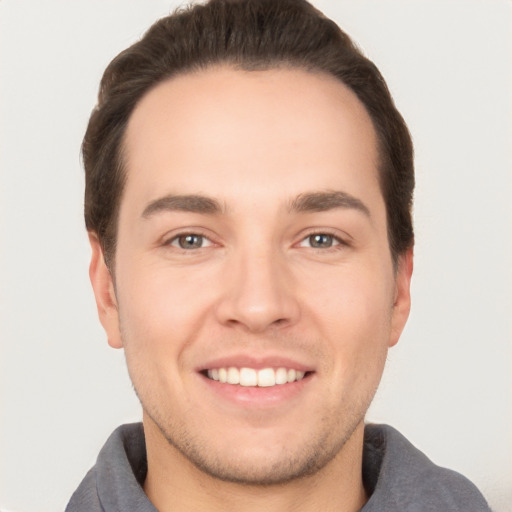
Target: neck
{"points": [[174, 483]]}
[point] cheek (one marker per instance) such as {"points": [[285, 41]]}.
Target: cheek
{"points": [[153, 325], [356, 301], [162, 310], [359, 337], [353, 315]]}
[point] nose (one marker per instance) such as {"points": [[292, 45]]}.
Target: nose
{"points": [[258, 293]]}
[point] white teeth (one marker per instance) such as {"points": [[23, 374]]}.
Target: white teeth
{"points": [[267, 377], [233, 376], [249, 377], [281, 376]]}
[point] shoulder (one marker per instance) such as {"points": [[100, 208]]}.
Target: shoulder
{"points": [[115, 482], [401, 477], [86, 496]]}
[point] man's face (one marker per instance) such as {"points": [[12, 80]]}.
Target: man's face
{"points": [[252, 245]]}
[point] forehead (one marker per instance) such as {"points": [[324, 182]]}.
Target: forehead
{"points": [[223, 131]]}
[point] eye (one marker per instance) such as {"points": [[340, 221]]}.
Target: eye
{"points": [[190, 241], [320, 241]]}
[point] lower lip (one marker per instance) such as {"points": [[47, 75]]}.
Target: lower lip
{"points": [[258, 396]]}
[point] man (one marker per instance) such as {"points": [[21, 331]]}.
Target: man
{"points": [[248, 201]]}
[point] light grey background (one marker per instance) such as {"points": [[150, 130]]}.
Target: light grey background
{"points": [[448, 383]]}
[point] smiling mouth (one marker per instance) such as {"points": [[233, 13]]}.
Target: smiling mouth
{"points": [[250, 377]]}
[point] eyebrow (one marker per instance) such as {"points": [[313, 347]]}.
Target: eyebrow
{"points": [[307, 202], [329, 200], [184, 203]]}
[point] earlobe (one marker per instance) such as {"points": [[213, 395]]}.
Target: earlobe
{"points": [[104, 293], [402, 299]]}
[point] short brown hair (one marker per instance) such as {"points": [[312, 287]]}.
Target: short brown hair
{"points": [[247, 34]]}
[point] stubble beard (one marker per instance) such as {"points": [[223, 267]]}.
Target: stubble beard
{"points": [[325, 441], [293, 463]]}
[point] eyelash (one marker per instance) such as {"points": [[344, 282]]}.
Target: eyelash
{"points": [[176, 239], [336, 241]]}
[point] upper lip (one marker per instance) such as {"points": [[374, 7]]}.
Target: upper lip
{"points": [[255, 362]]}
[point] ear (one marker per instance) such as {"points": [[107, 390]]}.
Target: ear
{"points": [[402, 298], [104, 293]]}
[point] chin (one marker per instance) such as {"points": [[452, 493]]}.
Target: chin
{"points": [[260, 460], [257, 472]]}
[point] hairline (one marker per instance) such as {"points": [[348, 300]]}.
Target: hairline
{"points": [[248, 65]]}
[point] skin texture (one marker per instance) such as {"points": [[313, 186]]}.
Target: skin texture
{"points": [[254, 291]]}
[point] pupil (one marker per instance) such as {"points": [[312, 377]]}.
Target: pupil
{"points": [[321, 241], [190, 241]]}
